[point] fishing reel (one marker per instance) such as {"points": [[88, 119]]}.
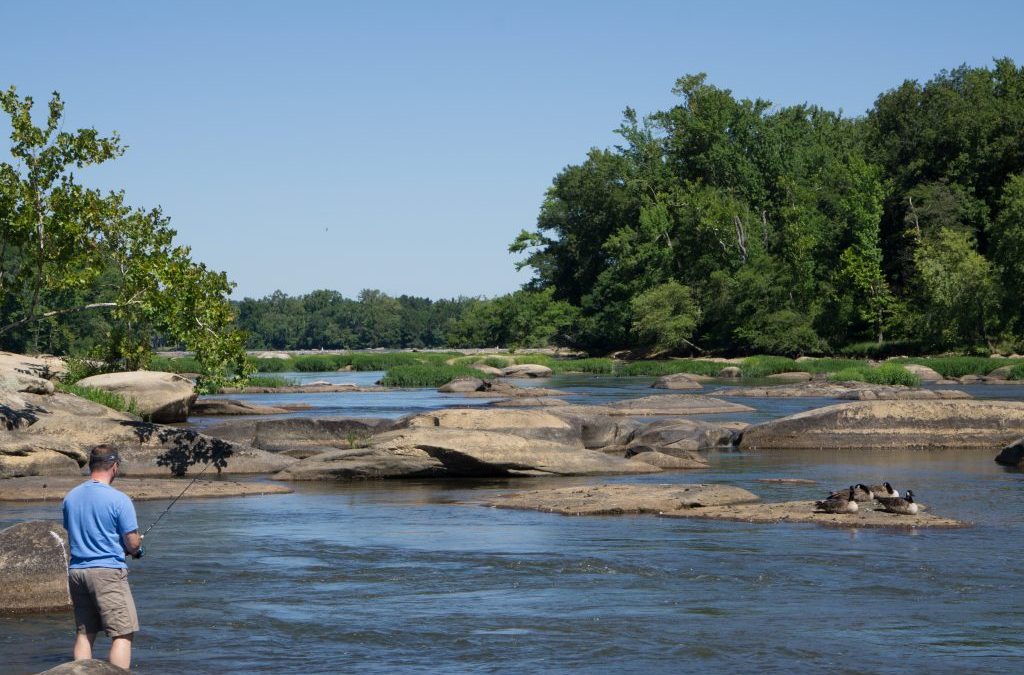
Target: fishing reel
{"points": [[138, 554]]}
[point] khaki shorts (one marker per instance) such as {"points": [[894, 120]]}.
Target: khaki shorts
{"points": [[102, 599]]}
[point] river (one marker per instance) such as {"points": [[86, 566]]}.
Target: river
{"points": [[413, 576]]}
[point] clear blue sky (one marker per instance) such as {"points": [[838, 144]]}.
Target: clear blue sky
{"points": [[403, 145]]}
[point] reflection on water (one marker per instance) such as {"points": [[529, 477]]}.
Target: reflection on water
{"points": [[416, 576]]}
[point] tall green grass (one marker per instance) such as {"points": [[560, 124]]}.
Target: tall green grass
{"points": [[272, 381], [762, 366], [958, 366], [107, 398], [421, 375], [184, 364], [659, 368], [887, 373], [1017, 372]]}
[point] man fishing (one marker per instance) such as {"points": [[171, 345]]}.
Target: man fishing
{"points": [[102, 528]]}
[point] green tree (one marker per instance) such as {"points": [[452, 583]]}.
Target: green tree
{"points": [[68, 249], [665, 317], [1006, 242]]}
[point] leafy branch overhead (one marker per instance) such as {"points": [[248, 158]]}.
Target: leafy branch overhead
{"points": [[69, 250]]}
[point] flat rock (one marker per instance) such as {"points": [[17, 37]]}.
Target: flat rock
{"points": [[34, 567], [462, 385], [71, 426], [49, 489], [666, 461], [507, 389], [685, 434], [301, 433], [529, 402], [675, 404], [676, 381], [446, 452], [526, 370], [160, 397], [805, 512], [978, 424], [222, 407], [615, 499], [43, 367], [538, 424], [844, 391]]}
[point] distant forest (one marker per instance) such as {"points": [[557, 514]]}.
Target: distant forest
{"points": [[720, 225], [728, 225]]}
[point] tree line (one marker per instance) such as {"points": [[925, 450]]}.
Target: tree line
{"points": [[726, 224]]}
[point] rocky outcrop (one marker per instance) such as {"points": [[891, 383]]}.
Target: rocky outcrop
{"points": [[526, 370], [42, 367], [302, 436], [690, 435], [663, 460], [53, 489], [601, 500], [160, 397], [676, 381], [674, 404], [1012, 454], [924, 372], [539, 424], [436, 452], [462, 385], [71, 426], [855, 391], [34, 567], [805, 512], [892, 425]]}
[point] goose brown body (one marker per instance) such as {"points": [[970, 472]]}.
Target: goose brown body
{"points": [[903, 506]]}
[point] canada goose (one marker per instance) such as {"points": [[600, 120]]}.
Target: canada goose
{"points": [[906, 507], [838, 503], [884, 491], [861, 493]]}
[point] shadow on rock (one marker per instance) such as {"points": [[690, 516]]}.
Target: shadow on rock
{"points": [[185, 447]]}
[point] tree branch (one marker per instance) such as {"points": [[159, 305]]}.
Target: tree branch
{"points": [[61, 312]]}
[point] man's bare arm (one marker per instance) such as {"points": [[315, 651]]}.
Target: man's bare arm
{"points": [[132, 542]]}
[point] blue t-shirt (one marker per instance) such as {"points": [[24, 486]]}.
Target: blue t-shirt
{"points": [[96, 516]]}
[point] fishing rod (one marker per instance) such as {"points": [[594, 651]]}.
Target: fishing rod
{"points": [[138, 554]]}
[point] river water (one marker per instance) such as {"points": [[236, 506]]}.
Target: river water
{"points": [[421, 577]]}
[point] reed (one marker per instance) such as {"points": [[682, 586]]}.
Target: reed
{"points": [[671, 367], [425, 375]]}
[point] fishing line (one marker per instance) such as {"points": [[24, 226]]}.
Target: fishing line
{"points": [[164, 513]]}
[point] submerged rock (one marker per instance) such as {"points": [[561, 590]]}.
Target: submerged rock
{"points": [[893, 424], [34, 567]]}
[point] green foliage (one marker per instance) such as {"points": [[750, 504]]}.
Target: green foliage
{"points": [[272, 381], [66, 249], [762, 366], [425, 375], [665, 317], [670, 367], [887, 373], [885, 350], [1017, 372], [78, 369], [958, 366], [596, 366], [107, 398], [182, 364]]}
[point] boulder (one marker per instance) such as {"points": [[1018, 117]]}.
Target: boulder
{"points": [[300, 435], [789, 378], [71, 426], [924, 372], [463, 384], [1012, 454], [34, 567], [676, 381], [86, 667], [602, 500], [43, 367], [1000, 373], [32, 461], [526, 370], [21, 382], [675, 404], [486, 369], [684, 434], [445, 452], [527, 423], [160, 397], [729, 372], [893, 424], [662, 460]]}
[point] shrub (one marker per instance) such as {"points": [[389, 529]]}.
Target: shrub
{"points": [[184, 364], [887, 373], [77, 369]]}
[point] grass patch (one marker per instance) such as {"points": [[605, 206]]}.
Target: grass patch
{"points": [[421, 375], [274, 381], [107, 398], [596, 366], [1017, 372], [958, 366], [763, 366], [659, 368], [887, 373], [271, 365], [185, 364]]}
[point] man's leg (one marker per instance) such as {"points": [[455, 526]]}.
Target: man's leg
{"points": [[121, 651], [83, 645]]}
